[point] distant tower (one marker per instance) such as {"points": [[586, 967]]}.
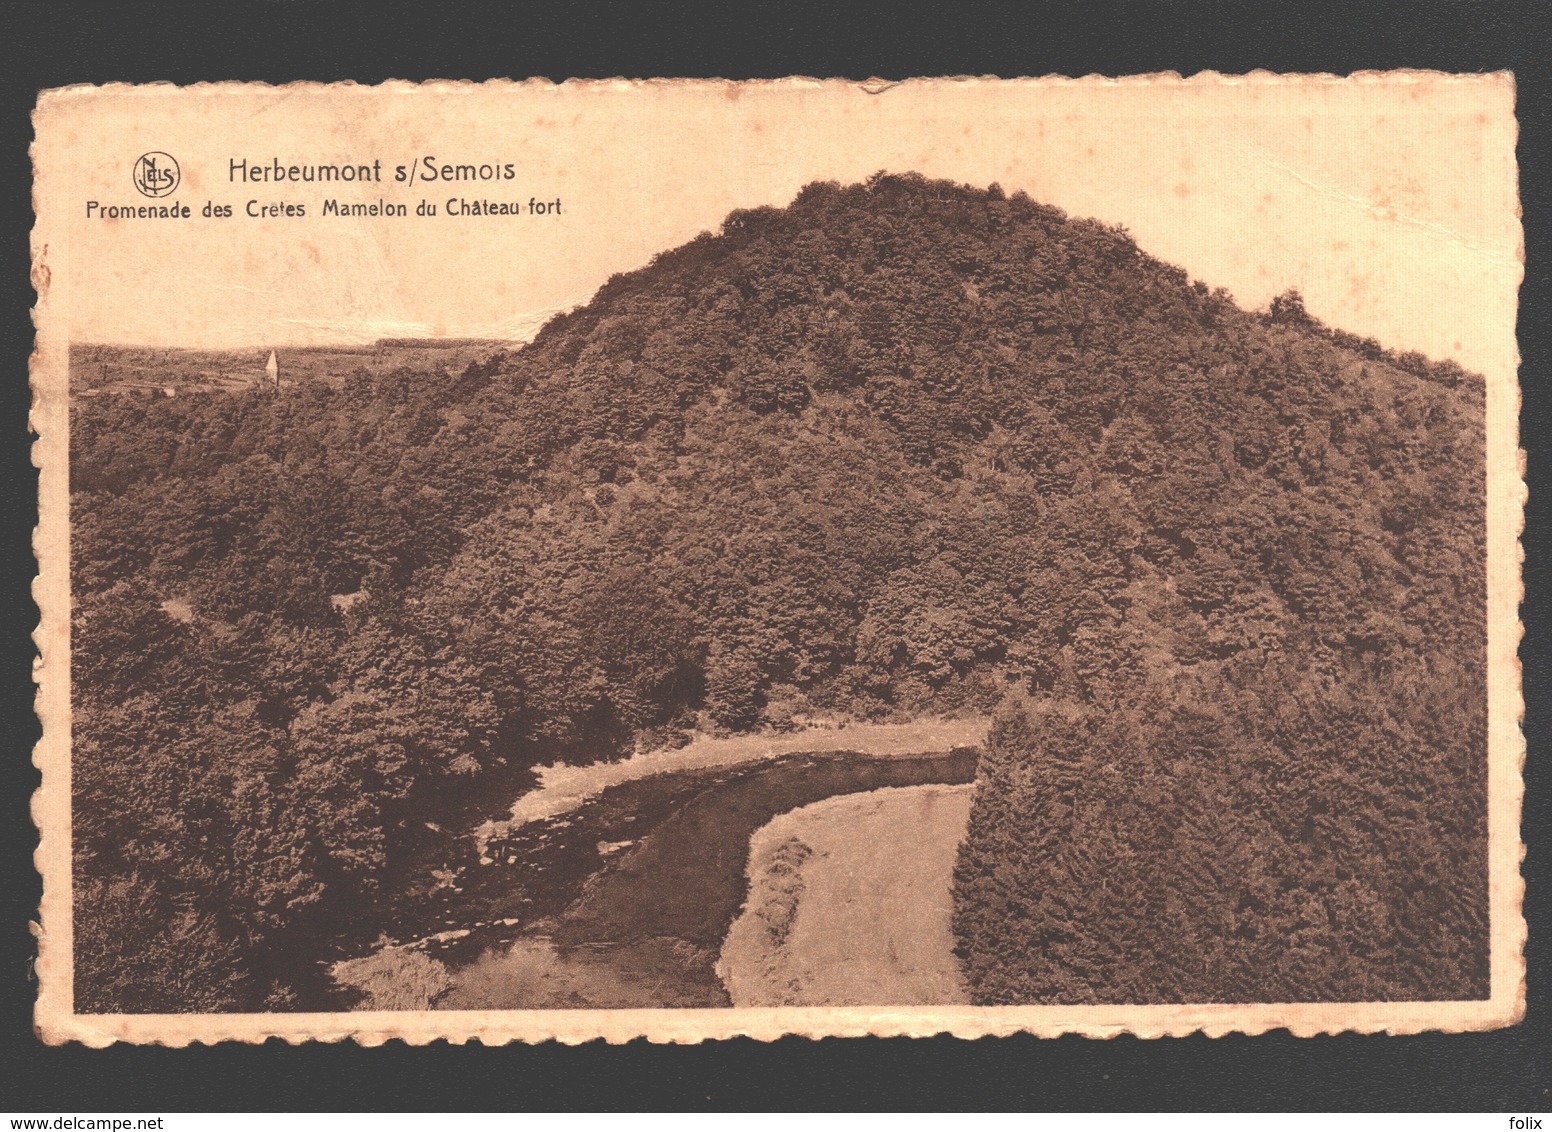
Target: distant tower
{"points": [[272, 368]]}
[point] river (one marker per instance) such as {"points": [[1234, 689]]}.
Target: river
{"points": [[626, 899]]}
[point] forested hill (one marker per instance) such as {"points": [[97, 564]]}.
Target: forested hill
{"points": [[900, 447]]}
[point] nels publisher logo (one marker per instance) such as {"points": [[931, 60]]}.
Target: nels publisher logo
{"points": [[156, 174]]}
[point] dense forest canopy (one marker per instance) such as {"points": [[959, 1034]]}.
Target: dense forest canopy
{"points": [[901, 447]]}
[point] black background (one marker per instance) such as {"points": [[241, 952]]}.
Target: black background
{"points": [[1509, 1070]]}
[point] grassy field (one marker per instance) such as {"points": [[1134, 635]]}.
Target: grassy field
{"points": [[849, 903]]}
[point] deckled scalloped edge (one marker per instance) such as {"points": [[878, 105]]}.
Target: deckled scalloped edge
{"points": [[56, 1024]]}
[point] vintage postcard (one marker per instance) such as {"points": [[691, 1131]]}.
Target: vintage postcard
{"points": [[685, 559]]}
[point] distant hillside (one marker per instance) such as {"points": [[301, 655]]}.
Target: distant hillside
{"points": [[900, 447], [96, 369]]}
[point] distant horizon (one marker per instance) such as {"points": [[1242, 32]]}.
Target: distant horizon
{"points": [[520, 330], [431, 341], [314, 347]]}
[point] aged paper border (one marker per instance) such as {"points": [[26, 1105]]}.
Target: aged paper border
{"points": [[56, 1023]]}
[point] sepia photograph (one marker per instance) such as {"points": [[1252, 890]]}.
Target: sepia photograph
{"points": [[693, 559]]}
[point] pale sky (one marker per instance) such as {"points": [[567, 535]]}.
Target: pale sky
{"points": [[1389, 201]]}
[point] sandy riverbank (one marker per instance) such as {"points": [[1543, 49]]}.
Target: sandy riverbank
{"points": [[849, 903]]}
